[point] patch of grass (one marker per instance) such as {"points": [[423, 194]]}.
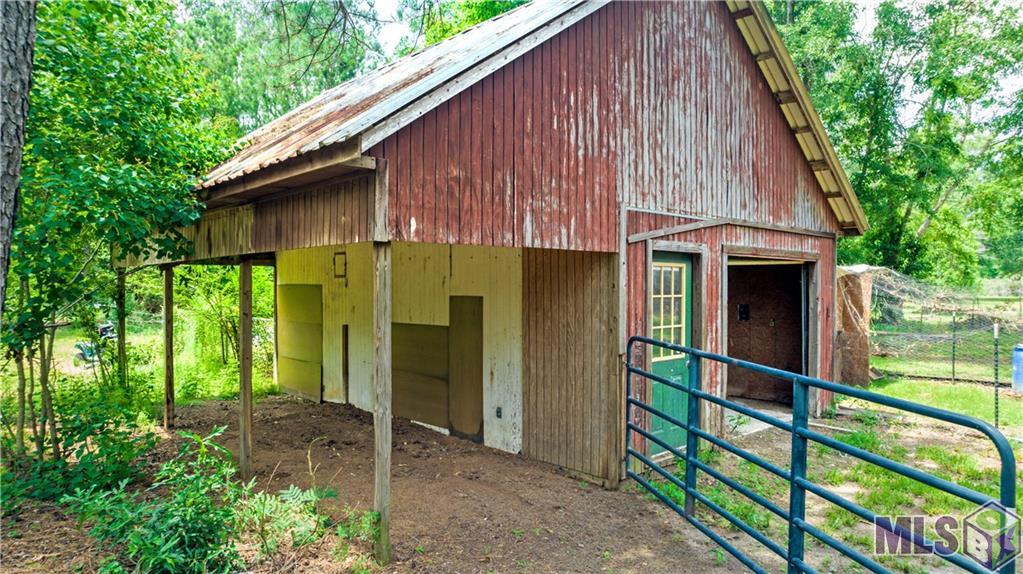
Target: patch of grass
{"points": [[968, 399], [719, 557]]}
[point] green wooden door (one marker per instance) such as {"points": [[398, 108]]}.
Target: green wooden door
{"points": [[671, 321]]}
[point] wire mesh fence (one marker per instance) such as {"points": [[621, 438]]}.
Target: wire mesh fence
{"points": [[923, 331]]}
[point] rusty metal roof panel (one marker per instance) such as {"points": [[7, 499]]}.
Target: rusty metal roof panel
{"points": [[347, 110]]}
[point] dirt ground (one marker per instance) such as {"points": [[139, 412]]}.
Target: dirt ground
{"points": [[457, 507]]}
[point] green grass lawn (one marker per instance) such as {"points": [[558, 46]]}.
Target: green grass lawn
{"points": [[968, 399], [200, 372]]}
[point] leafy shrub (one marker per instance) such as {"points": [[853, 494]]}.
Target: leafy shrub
{"points": [[102, 444], [188, 523], [361, 526], [272, 519]]}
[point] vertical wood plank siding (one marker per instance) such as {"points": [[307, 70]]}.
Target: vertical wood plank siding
{"points": [[659, 105], [570, 376], [331, 213]]}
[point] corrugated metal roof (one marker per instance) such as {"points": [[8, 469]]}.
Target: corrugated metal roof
{"points": [[350, 108]]}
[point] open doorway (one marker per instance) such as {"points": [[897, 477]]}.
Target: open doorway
{"points": [[768, 323]]}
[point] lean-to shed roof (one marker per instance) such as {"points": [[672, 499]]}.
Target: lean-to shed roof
{"points": [[381, 102]]}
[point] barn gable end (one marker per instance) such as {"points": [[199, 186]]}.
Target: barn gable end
{"points": [[656, 105]]}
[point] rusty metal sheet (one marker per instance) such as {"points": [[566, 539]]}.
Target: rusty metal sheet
{"points": [[348, 109]]}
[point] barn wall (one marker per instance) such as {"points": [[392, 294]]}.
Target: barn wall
{"points": [[333, 212], [717, 240], [424, 279], [570, 396], [656, 104]]}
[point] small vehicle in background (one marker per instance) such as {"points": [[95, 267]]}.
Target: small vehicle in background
{"points": [[89, 353]]}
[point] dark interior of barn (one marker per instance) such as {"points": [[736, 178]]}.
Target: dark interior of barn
{"points": [[765, 325]]}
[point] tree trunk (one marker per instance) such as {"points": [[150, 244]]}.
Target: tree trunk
{"points": [[19, 436], [17, 40], [122, 334], [36, 435], [46, 352]]}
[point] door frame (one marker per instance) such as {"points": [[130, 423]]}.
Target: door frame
{"points": [[811, 294], [699, 253]]}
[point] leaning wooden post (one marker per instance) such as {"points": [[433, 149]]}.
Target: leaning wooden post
{"points": [[168, 347], [122, 353], [382, 404], [245, 369]]}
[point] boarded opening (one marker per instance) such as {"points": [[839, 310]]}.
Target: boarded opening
{"points": [[300, 340], [466, 361], [766, 325], [420, 372], [438, 370]]}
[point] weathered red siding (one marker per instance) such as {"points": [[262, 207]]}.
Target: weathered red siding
{"points": [[658, 105], [657, 108], [717, 240]]}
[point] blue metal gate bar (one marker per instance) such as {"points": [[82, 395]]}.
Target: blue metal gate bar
{"points": [[796, 475]]}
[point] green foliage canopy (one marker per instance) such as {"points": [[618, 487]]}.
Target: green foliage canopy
{"points": [[119, 128], [432, 21], [919, 113], [266, 58]]}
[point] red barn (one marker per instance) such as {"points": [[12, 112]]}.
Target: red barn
{"points": [[469, 235]]}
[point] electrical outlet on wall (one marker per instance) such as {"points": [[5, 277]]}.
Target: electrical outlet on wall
{"points": [[498, 412]]}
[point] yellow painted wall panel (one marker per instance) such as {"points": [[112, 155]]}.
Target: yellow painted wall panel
{"points": [[425, 276], [303, 377]]}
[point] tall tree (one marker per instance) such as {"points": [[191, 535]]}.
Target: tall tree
{"points": [[918, 113], [17, 40], [268, 56], [431, 21], [118, 132]]}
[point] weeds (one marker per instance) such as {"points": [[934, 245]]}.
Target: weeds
{"points": [[186, 525], [276, 518]]}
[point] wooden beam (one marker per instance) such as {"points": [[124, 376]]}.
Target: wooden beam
{"points": [[807, 129], [832, 194], [820, 165], [122, 351], [646, 235], [675, 229], [765, 55], [168, 347], [380, 195], [382, 401], [245, 369], [307, 168], [785, 97], [742, 13]]}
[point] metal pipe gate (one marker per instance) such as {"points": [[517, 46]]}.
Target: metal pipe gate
{"points": [[796, 475]]}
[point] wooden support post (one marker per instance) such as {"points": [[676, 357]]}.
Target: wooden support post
{"points": [[168, 347], [245, 369], [382, 402], [122, 335]]}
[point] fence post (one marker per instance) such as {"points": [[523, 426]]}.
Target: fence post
{"points": [[954, 329], [996, 374], [797, 496], [628, 408], [692, 441]]}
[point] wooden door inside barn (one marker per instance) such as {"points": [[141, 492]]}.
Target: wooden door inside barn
{"points": [[768, 323]]}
